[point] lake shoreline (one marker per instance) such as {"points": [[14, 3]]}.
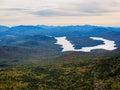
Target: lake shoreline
{"points": [[68, 46]]}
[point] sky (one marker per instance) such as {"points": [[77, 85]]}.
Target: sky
{"points": [[60, 12]]}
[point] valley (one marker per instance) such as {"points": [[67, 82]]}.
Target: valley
{"points": [[37, 42], [59, 57]]}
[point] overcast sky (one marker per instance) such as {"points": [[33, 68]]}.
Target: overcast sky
{"points": [[60, 12]]}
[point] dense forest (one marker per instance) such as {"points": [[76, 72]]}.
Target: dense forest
{"points": [[95, 72]]}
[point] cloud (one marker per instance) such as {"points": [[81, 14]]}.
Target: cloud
{"points": [[13, 9], [82, 8], [46, 8], [66, 11], [51, 13]]}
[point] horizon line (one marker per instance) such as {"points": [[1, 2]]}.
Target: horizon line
{"points": [[60, 25]]}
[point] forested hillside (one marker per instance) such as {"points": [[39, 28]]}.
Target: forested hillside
{"points": [[91, 73]]}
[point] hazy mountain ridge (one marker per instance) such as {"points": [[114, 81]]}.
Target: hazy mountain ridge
{"points": [[3, 28], [56, 30]]}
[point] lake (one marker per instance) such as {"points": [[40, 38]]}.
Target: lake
{"points": [[68, 46]]}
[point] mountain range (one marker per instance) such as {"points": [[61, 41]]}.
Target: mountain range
{"points": [[28, 42]]}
